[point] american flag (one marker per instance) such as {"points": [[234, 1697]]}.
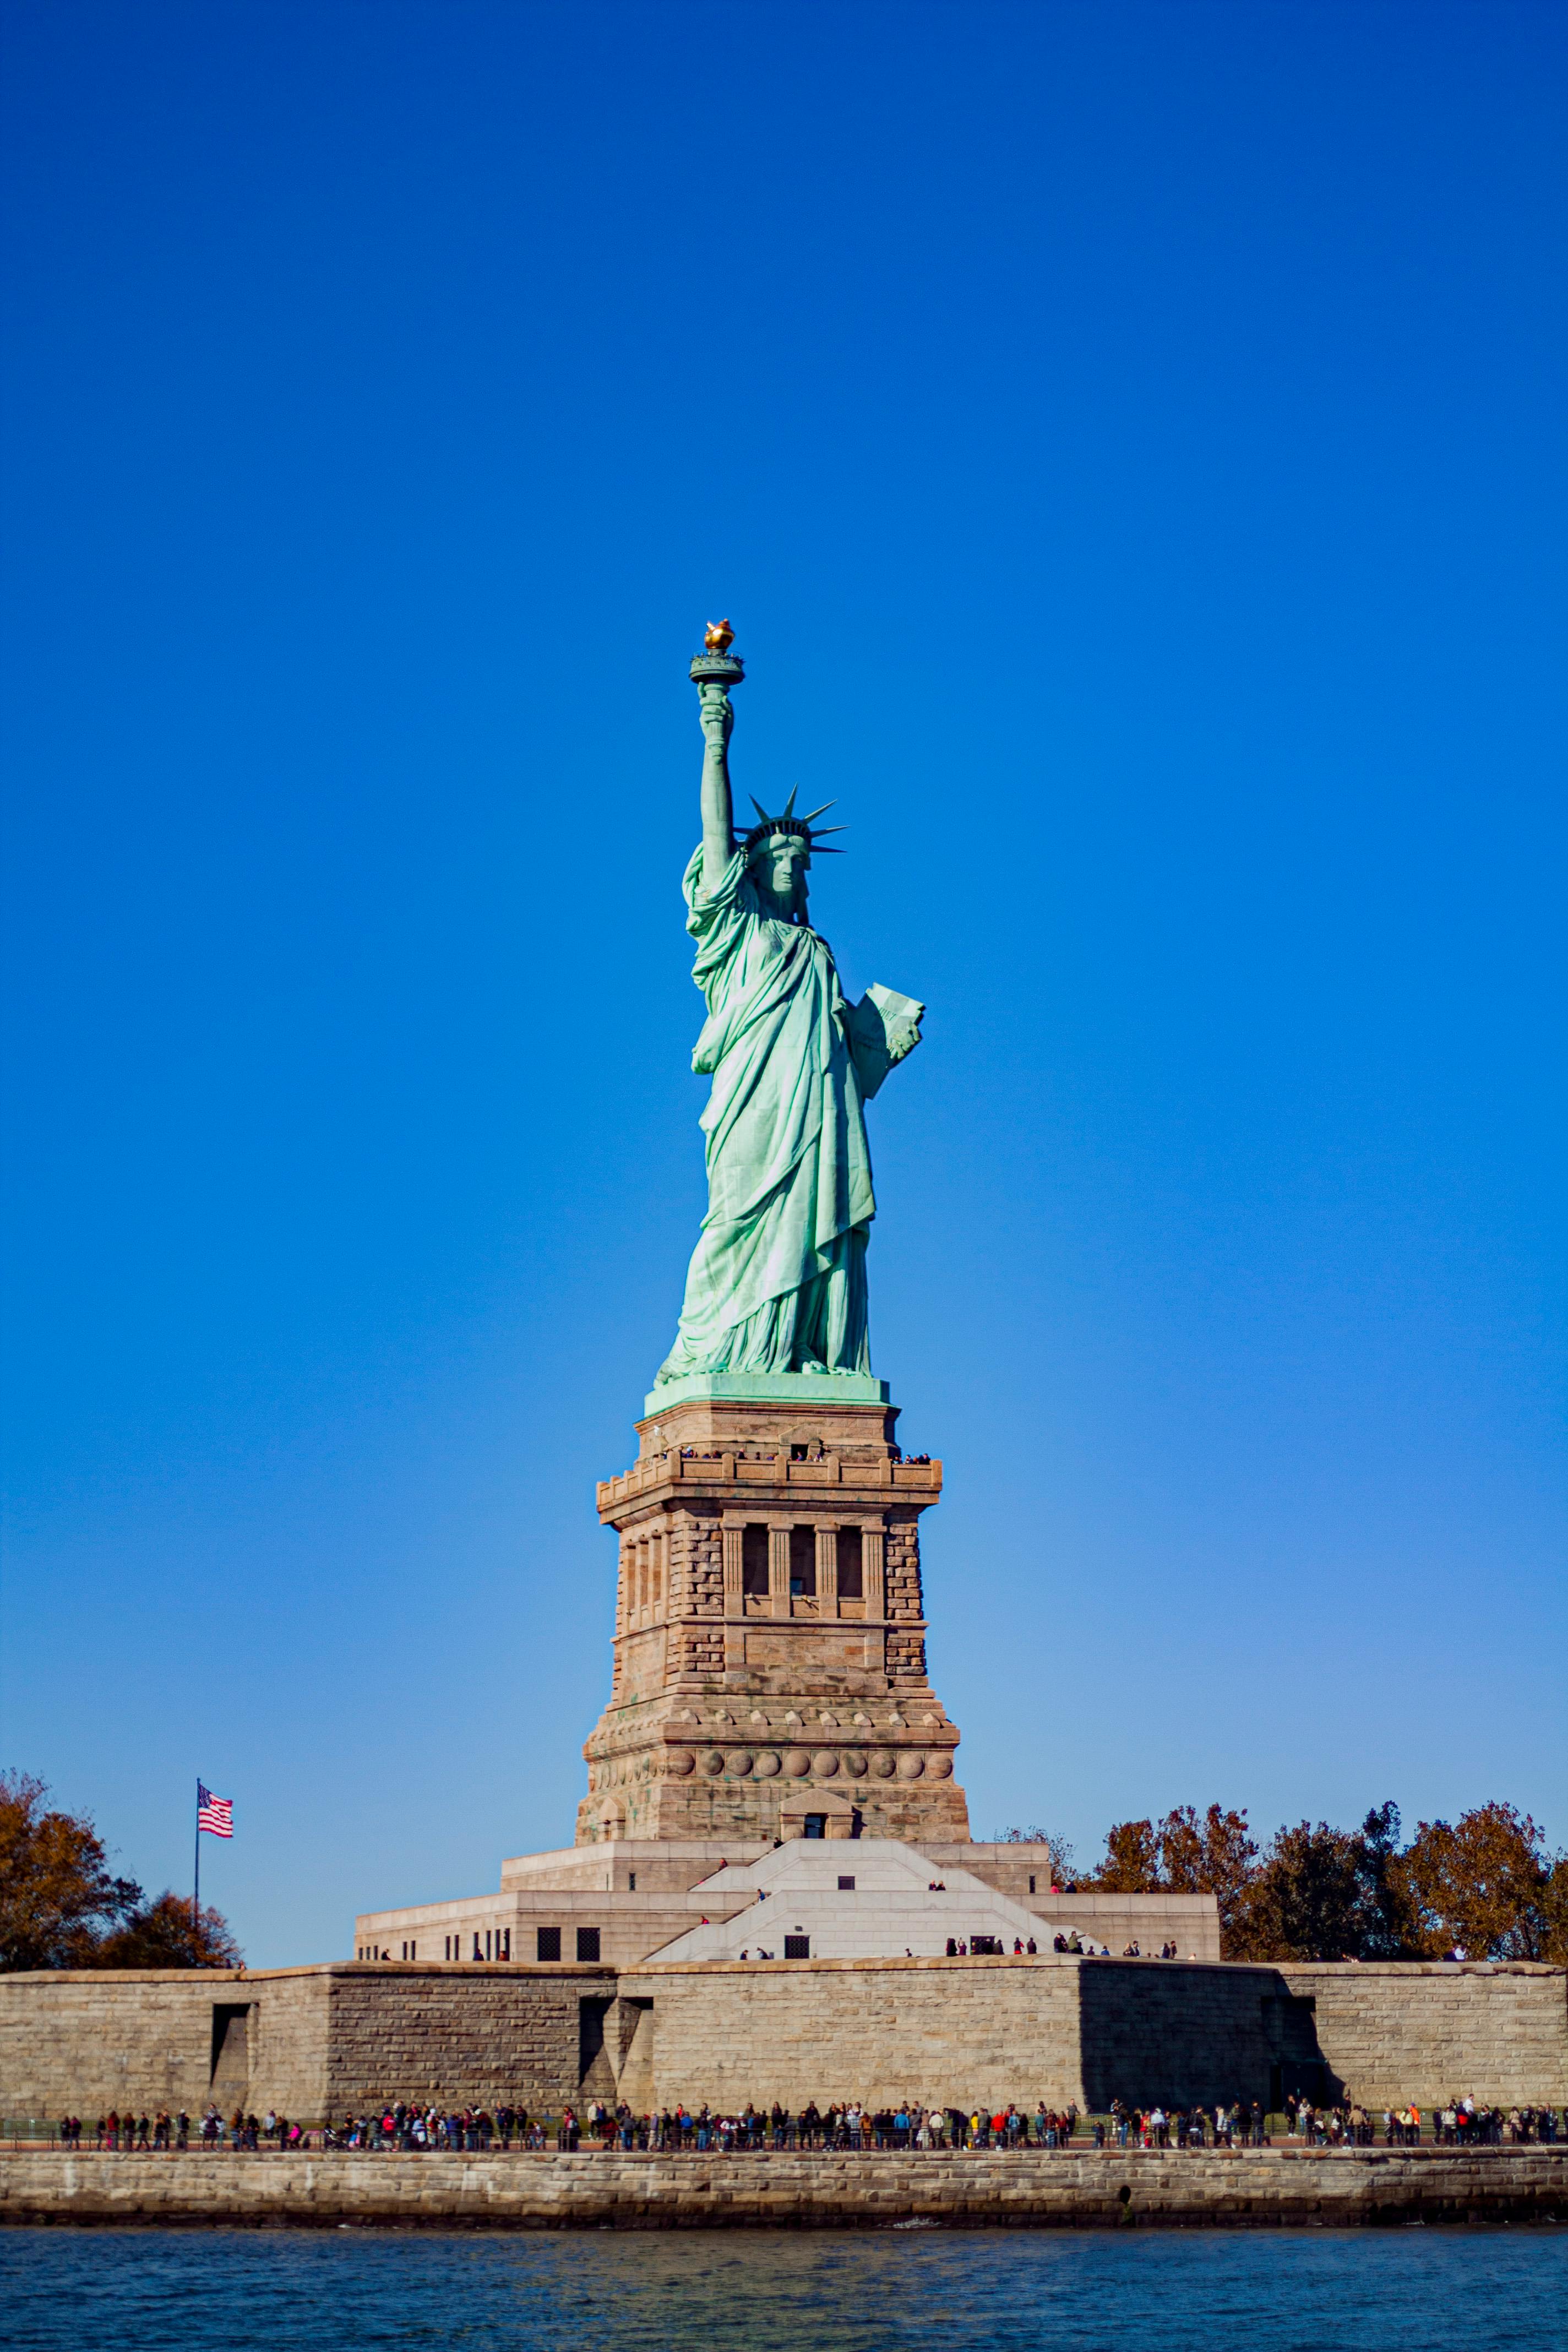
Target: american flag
{"points": [[214, 1814]]}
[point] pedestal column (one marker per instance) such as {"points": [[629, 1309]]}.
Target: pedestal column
{"points": [[723, 1703]]}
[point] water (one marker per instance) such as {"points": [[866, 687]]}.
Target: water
{"points": [[753, 2290]]}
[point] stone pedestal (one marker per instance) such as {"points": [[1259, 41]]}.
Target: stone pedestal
{"points": [[770, 1627]]}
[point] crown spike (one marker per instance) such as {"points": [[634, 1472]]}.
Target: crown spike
{"points": [[811, 813], [789, 805]]}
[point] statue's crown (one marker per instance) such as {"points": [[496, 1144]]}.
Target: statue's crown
{"points": [[803, 828]]}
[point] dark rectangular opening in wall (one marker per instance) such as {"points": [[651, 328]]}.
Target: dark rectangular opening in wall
{"points": [[816, 1825], [846, 1885], [591, 2016], [851, 1582], [803, 1559], [587, 1943], [230, 2055], [797, 1947], [548, 1943], [754, 1560]]}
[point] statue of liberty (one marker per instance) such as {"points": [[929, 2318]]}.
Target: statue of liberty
{"points": [[777, 1281]]}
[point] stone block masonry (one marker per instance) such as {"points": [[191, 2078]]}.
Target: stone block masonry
{"points": [[107, 2038], [312, 2042], [317, 2043], [1255, 2188], [508, 2035], [1087, 2031], [937, 2032], [770, 1631], [1436, 2029]]}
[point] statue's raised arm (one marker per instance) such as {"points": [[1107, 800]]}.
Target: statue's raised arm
{"points": [[718, 810]]}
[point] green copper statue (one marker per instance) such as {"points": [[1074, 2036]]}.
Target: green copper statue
{"points": [[777, 1281]]}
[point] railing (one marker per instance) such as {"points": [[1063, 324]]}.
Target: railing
{"points": [[1084, 2135], [776, 1470]]}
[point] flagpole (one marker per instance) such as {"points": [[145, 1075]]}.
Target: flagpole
{"points": [[197, 1895]]}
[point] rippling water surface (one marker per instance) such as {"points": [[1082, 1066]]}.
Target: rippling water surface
{"points": [[750, 2291]]}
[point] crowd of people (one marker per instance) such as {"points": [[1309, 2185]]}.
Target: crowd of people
{"points": [[960, 1947], [132, 2134], [1463, 2123], [847, 2126]]}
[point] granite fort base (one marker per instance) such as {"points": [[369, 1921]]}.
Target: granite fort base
{"points": [[318, 2044]]}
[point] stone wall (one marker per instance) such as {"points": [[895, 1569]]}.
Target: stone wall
{"points": [[1182, 2035], [484, 2035], [1378, 2034], [880, 2030], [1264, 2187], [288, 2037], [991, 2030], [312, 2042], [1398, 2032], [316, 2042], [74, 2040]]}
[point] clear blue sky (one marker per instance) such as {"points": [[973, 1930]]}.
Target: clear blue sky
{"points": [[1130, 442]]}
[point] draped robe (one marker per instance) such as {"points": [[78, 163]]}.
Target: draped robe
{"points": [[777, 1281]]}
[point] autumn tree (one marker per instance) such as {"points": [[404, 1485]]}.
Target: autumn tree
{"points": [[62, 1906], [165, 1934], [1484, 1885], [58, 1894], [1323, 1894], [1181, 1855], [1388, 1927], [1215, 1856], [1131, 1864]]}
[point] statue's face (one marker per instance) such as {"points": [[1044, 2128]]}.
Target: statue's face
{"points": [[781, 864]]}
